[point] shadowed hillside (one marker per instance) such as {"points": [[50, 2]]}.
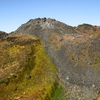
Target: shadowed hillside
{"points": [[74, 50], [3, 35]]}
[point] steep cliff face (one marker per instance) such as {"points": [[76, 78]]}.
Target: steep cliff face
{"points": [[75, 51]]}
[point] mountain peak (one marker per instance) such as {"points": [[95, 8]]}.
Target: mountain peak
{"points": [[39, 25]]}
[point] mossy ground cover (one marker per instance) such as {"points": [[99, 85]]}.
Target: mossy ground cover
{"points": [[27, 73]]}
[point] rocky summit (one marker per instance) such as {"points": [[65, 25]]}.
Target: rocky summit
{"points": [[74, 50]]}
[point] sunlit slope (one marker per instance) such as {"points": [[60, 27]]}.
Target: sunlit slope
{"points": [[26, 71]]}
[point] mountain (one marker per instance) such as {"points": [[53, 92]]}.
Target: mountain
{"points": [[74, 50]]}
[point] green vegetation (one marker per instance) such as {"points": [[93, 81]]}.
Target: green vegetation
{"points": [[27, 71], [59, 93]]}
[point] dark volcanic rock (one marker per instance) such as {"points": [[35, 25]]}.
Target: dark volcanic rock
{"points": [[75, 51]]}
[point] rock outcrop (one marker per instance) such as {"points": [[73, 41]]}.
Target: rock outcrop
{"points": [[3, 35]]}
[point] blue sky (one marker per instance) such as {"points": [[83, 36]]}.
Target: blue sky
{"points": [[13, 13]]}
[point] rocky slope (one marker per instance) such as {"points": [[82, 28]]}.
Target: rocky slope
{"points": [[75, 51]]}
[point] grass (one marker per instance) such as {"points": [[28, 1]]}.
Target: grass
{"points": [[59, 93], [31, 74]]}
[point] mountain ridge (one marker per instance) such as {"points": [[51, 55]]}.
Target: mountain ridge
{"points": [[74, 50]]}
